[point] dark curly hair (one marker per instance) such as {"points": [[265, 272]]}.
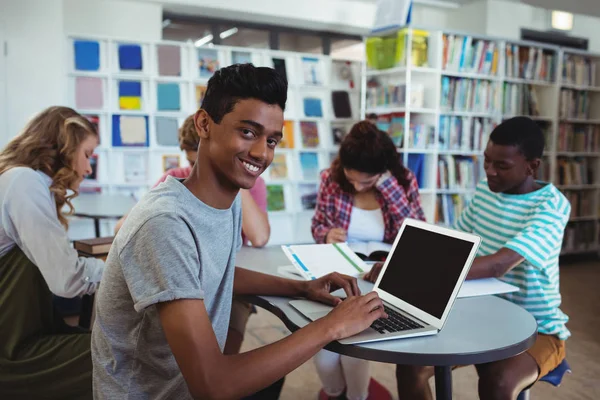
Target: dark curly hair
{"points": [[243, 81], [369, 150]]}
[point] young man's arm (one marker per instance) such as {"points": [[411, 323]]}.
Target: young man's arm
{"points": [[211, 375], [256, 283], [495, 265]]}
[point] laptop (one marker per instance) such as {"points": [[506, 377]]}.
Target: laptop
{"points": [[418, 283]]}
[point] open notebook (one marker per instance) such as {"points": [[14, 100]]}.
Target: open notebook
{"points": [[371, 251], [313, 261]]}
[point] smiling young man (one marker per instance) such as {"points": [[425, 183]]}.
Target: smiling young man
{"points": [[164, 305], [521, 222]]}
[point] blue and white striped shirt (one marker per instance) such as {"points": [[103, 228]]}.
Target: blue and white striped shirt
{"points": [[532, 225]]}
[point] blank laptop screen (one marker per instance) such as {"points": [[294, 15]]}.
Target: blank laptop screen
{"points": [[424, 269]]}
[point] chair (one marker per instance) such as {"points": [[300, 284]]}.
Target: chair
{"points": [[554, 377]]}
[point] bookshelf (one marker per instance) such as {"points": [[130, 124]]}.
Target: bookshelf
{"points": [[440, 101], [139, 93]]}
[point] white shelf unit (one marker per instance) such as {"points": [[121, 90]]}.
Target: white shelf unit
{"points": [[290, 223], [516, 87]]}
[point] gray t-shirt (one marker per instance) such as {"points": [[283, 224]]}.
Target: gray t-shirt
{"points": [[172, 246]]}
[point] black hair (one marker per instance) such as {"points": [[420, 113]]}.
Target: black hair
{"points": [[243, 81], [522, 132], [367, 149]]}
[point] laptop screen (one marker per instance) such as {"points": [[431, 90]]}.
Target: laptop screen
{"points": [[424, 269]]}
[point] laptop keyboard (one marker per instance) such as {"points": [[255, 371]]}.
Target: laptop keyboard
{"points": [[395, 322]]}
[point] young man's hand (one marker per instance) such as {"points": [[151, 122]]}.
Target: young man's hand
{"points": [[336, 235], [372, 275], [320, 289], [355, 314]]}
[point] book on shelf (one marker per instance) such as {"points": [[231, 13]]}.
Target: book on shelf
{"points": [[93, 176], [311, 71], [337, 134], [275, 198], [340, 100], [170, 161], [313, 107], [287, 141], [449, 207], [576, 171], [278, 168], [579, 70], [134, 168], [310, 134], [578, 138], [574, 104], [279, 66], [208, 62], [526, 62], [580, 236], [378, 95], [520, 99], [393, 124], [95, 246], [470, 55], [416, 165], [421, 136], [200, 93], [582, 202], [464, 133], [308, 195], [309, 165], [457, 172], [473, 95], [370, 251]]}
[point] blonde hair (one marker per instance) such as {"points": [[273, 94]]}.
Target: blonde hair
{"points": [[49, 143], [188, 137]]}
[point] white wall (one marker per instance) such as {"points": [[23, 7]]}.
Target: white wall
{"points": [[116, 19], [469, 18], [35, 70], [349, 16]]}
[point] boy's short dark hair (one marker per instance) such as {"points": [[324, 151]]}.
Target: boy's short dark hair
{"points": [[522, 132], [243, 81]]}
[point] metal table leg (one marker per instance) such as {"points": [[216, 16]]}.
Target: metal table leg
{"points": [[443, 383]]}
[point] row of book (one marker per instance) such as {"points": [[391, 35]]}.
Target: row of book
{"points": [[582, 202], [574, 104], [526, 62], [457, 172], [309, 166], [579, 70], [580, 138], [464, 133], [520, 99], [277, 201], [579, 236], [448, 208], [470, 55], [473, 95], [576, 171], [385, 95]]}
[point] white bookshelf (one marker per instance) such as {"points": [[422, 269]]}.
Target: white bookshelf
{"points": [[501, 85], [290, 223]]}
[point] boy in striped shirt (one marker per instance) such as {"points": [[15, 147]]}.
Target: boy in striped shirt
{"points": [[521, 222]]}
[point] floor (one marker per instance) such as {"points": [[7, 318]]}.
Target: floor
{"points": [[581, 299]]}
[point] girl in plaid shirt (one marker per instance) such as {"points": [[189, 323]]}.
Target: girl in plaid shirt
{"points": [[364, 196]]}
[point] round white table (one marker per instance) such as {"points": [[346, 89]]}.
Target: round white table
{"points": [[478, 330], [99, 206]]}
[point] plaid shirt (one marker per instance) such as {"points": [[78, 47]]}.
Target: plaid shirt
{"points": [[334, 206]]}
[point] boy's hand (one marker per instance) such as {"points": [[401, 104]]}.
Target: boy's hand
{"points": [[320, 289], [336, 235], [372, 275], [354, 315]]}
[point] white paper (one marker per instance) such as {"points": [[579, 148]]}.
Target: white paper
{"points": [[485, 287], [317, 260]]}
